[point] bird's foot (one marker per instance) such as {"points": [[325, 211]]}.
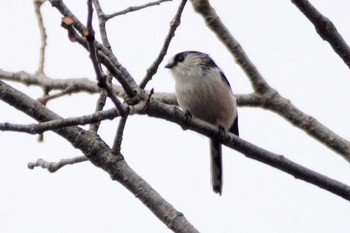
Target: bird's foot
{"points": [[221, 132], [188, 116], [188, 119]]}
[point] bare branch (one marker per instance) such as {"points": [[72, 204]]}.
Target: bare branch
{"points": [[325, 28], [278, 104], [98, 152], [43, 35], [72, 121], [102, 24], [213, 21], [55, 166], [41, 80], [78, 84], [309, 124], [101, 102], [135, 8], [60, 123], [67, 91], [156, 109], [110, 159], [119, 135], [173, 26], [89, 34], [108, 58]]}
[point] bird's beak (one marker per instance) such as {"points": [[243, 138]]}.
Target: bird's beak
{"points": [[169, 66]]}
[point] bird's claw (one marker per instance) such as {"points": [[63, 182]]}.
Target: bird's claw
{"points": [[188, 119], [188, 116], [221, 132]]}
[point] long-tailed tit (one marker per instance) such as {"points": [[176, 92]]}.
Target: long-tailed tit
{"points": [[203, 90]]}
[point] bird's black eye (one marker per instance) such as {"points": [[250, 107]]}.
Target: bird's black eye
{"points": [[180, 57]]}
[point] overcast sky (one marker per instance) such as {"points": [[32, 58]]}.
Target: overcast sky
{"points": [[287, 51]]}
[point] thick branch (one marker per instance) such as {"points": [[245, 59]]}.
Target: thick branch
{"points": [[98, 152], [325, 28], [309, 124], [215, 24]]}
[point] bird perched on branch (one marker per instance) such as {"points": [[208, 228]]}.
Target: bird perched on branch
{"points": [[203, 91]]}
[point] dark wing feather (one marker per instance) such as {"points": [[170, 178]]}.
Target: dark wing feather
{"points": [[234, 127], [224, 79]]}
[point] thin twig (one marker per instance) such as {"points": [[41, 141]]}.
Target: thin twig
{"points": [[89, 33], [81, 84], [148, 99], [69, 90], [55, 166], [125, 79], [59, 123], [101, 101], [46, 92], [41, 80], [100, 104], [119, 135], [135, 8], [72, 121], [102, 24], [173, 26], [43, 35]]}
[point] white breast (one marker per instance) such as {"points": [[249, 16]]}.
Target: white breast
{"points": [[206, 96]]}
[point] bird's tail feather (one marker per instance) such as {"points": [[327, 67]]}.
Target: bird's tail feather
{"points": [[216, 166]]}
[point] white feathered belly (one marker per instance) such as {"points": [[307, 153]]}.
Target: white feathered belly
{"points": [[213, 103]]}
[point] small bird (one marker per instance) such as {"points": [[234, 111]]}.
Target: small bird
{"points": [[203, 90]]}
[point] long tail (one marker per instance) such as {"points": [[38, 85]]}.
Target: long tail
{"points": [[216, 166]]}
